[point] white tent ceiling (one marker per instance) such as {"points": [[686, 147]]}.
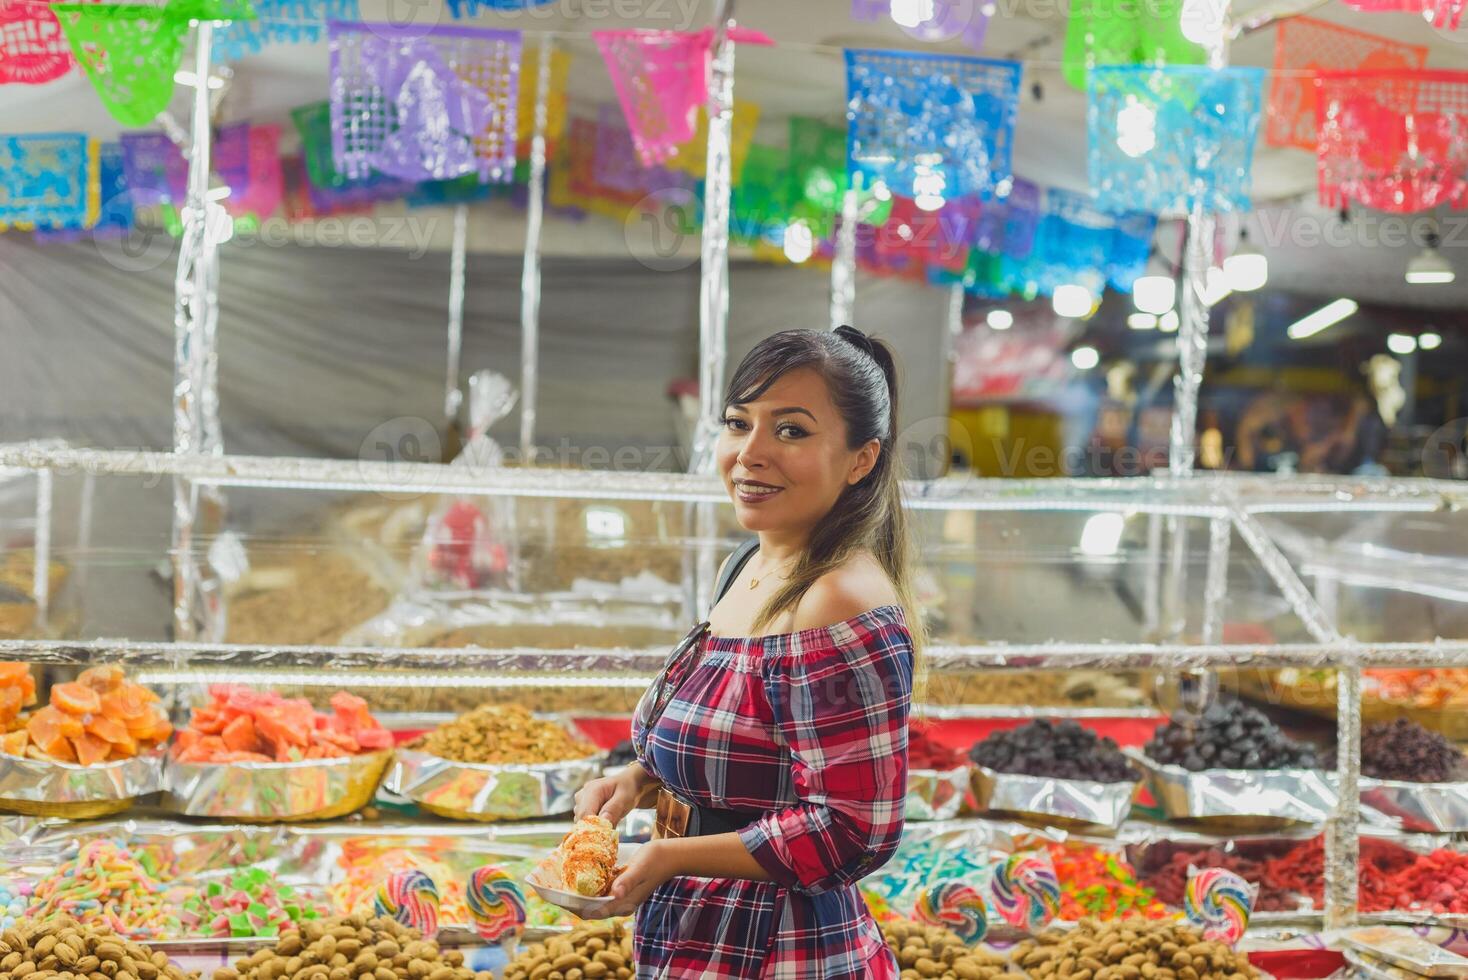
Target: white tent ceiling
{"points": [[804, 75]]}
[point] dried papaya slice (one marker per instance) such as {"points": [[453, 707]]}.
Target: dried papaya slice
{"points": [[239, 735], [107, 729], [10, 702], [46, 731], [90, 749], [14, 743], [75, 699]]}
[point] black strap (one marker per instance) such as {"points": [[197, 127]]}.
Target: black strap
{"points": [[734, 566]]}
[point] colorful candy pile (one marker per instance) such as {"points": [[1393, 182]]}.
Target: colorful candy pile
{"points": [[240, 724], [1099, 884], [14, 896], [108, 887], [252, 903], [99, 717], [17, 691], [926, 752], [1169, 881], [919, 864]]}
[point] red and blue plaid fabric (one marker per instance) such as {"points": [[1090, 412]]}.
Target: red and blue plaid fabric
{"points": [[810, 728]]}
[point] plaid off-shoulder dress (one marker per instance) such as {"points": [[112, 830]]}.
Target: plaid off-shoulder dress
{"points": [[810, 728]]}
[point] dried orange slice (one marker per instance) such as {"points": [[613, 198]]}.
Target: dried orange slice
{"points": [[10, 702], [45, 729], [102, 679], [75, 699]]}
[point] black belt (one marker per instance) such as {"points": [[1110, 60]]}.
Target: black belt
{"points": [[676, 818]]}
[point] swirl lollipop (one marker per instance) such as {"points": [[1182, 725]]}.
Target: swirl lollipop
{"points": [[954, 905], [1026, 891], [496, 905], [411, 897], [1220, 901]]}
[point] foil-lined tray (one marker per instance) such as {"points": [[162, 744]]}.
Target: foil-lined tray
{"points": [[1418, 807], [476, 791], [935, 794], [1062, 802], [63, 789], [1252, 798], [270, 792]]}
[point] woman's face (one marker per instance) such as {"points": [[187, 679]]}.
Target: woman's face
{"points": [[784, 456]]}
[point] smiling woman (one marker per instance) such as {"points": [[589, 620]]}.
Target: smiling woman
{"points": [[775, 743]]}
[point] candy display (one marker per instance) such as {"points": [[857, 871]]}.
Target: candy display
{"points": [[926, 752], [933, 951], [1026, 892], [1435, 688], [1402, 749], [1390, 874], [585, 862], [1156, 950], [593, 949], [1096, 883], [1169, 880], [99, 717], [922, 862], [503, 734], [1064, 750], [362, 948], [410, 897], [956, 906], [496, 904], [105, 886], [1229, 736], [58, 945], [249, 904], [240, 724], [14, 897], [1219, 902]]}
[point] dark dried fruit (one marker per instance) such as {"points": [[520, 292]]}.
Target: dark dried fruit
{"points": [[1229, 736], [1403, 749], [1063, 751]]}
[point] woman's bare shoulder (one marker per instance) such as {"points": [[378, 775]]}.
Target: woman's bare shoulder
{"points": [[860, 585]]}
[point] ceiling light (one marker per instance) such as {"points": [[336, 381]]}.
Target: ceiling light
{"points": [[1429, 268], [1101, 535], [1168, 322], [1085, 358], [1154, 294], [1430, 341], [1142, 321], [1217, 288], [1401, 343], [1072, 300], [799, 243], [1247, 269], [912, 13], [999, 319], [1328, 315], [1136, 128]]}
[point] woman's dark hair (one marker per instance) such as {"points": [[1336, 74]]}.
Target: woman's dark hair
{"points": [[862, 379]]}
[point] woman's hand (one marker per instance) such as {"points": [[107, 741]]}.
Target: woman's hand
{"points": [[612, 797], [652, 865]]}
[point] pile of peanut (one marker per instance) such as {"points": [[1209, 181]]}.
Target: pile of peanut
{"points": [[590, 951], [60, 948], [927, 951], [1130, 949], [502, 733], [352, 947]]}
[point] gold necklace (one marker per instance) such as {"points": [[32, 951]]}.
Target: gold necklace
{"points": [[755, 579]]}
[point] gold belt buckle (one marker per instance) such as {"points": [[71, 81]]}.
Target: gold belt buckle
{"points": [[672, 817]]}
